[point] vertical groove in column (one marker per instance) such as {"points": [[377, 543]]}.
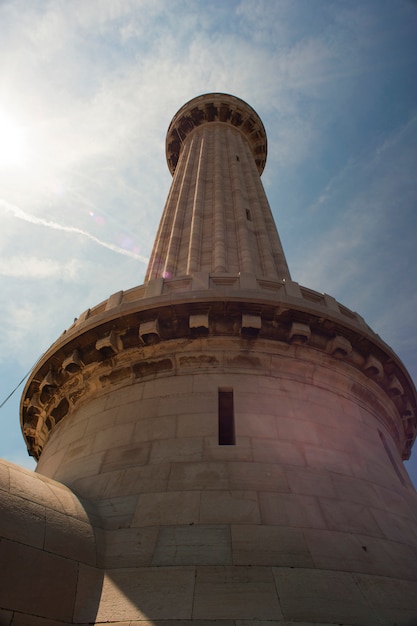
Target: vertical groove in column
{"points": [[170, 268], [257, 199], [219, 202], [194, 251], [159, 252], [217, 217], [246, 263], [273, 236]]}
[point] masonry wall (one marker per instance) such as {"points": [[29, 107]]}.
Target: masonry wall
{"points": [[309, 516]]}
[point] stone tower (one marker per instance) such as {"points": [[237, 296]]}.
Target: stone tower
{"points": [[219, 445]]}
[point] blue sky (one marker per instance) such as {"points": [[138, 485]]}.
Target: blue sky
{"points": [[87, 91]]}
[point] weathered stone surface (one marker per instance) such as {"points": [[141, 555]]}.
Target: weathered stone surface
{"points": [[22, 589], [222, 507], [193, 545], [128, 547], [69, 537], [322, 596], [174, 507], [147, 593], [270, 545], [235, 593], [293, 510], [393, 601]]}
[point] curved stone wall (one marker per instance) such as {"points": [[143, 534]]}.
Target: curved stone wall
{"points": [[312, 495]]}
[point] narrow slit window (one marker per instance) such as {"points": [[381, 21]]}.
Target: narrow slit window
{"points": [[248, 215], [226, 418]]}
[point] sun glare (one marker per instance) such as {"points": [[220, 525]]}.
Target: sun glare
{"points": [[12, 143]]}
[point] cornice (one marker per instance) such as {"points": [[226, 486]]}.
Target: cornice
{"points": [[216, 107]]}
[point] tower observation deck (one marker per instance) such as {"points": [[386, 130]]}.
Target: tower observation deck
{"points": [[219, 443]]}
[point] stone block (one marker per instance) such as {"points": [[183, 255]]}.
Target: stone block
{"points": [[194, 404], [168, 386], [393, 559], [89, 587], [22, 520], [285, 452], [235, 593], [31, 620], [6, 617], [31, 486], [331, 550], [322, 596], [393, 601], [136, 411], [171, 450], [120, 398], [208, 384], [174, 507], [257, 477], [255, 404], [69, 537], [353, 490], [99, 486], [269, 545], [379, 472], [145, 479], [235, 507], [147, 594], [331, 460], [193, 545], [69, 503], [86, 466], [260, 425], [303, 480], [242, 451], [116, 512], [129, 547], [51, 595], [182, 622], [201, 476], [125, 457], [154, 428], [293, 510], [4, 474], [197, 425], [290, 429], [349, 517], [397, 501], [114, 436], [50, 464], [396, 528]]}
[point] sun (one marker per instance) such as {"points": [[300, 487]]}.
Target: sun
{"points": [[12, 143]]}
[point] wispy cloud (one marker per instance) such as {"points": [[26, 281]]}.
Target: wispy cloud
{"points": [[22, 215], [35, 268]]}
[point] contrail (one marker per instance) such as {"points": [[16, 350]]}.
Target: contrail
{"points": [[27, 217]]}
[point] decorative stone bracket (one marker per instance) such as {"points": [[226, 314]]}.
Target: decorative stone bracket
{"points": [[120, 349]]}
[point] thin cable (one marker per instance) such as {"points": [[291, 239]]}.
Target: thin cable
{"points": [[16, 388]]}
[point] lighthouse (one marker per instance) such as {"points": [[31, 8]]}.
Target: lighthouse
{"points": [[219, 445]]}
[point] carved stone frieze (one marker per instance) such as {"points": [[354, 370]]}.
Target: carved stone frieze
{"points": [[155, 338]]}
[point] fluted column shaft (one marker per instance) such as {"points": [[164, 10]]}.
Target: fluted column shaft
{"points": [[217, 217]]}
